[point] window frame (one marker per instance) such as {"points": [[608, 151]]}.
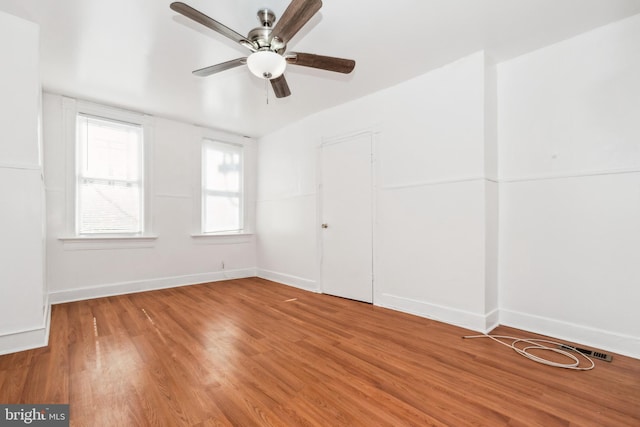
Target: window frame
{"points": [[82, 151], [71, 109], [248, 146]]}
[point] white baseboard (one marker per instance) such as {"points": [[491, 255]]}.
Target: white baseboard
{"points": [[453, 316], [111, 289], [287, 279], [28, 339], [592, 337], [492, 320]]}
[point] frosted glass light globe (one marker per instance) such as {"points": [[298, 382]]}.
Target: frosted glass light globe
{"points": [[266, 64]]}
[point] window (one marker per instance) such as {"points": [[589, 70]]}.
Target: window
{"points": [[108, 177], [222, 187], [109, 184]]}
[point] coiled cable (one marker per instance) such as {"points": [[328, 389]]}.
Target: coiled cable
{"points": [[540, 344]]}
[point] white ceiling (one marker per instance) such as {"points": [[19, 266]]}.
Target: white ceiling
{"points": [[139, 54]]}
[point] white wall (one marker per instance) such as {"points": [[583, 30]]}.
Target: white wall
{"points": [[286, 210], [23, 314], [79, 270], [569, 133], [431, 196], [510, 189]]}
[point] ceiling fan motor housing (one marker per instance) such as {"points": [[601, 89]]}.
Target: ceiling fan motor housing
{"points": [[261, 36]]}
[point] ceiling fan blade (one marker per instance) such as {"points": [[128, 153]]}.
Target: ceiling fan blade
{"points": [[211, 23], [338, 65], [298, 13], [280, 87], [212, 69]]}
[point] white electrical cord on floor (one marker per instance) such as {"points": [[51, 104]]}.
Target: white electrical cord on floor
{"points": [[538, 344]]}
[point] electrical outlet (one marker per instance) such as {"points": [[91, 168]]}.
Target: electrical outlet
{"points": [[595, 354]]}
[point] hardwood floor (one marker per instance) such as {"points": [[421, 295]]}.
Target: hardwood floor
{"points": [[252, 352]]}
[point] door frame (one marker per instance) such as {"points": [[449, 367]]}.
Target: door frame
{"points": [[374, 134]]}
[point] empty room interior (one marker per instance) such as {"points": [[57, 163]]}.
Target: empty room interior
{"points": [[320, 213]]}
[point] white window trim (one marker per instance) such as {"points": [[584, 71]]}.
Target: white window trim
{"points": [[246, 234], [222, 238], [70, 109], [107, 242]]}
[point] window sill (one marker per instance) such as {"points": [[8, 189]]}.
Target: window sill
{"points": [[79, 243], [223, 238]]}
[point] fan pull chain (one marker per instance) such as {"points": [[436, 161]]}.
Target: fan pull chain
{"points": [[266, 90]]}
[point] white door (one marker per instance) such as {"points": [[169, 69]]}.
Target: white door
{"points": [[346, 217]]}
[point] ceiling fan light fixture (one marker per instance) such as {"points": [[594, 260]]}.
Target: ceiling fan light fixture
{"points": [[266, 64]]}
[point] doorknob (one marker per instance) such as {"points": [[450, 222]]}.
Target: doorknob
{"points": [[325, 225]]}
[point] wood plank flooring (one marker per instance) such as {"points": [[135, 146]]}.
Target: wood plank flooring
{"points": [[251, 352]]}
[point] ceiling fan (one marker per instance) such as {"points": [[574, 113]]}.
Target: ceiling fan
{"points": [[268, 43]]}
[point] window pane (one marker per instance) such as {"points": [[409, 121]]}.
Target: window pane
{"points": [[221, 187], [222, 170], [221, 214], [111, 150], [109, 208]]}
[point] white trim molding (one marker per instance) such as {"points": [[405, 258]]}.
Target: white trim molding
{"points": [[223, 238], [112, 289], [592, 337], [435, 182], [28, 339], [465, 319], [290, 280], [81, 243], [21, 166], [569, 175]]}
